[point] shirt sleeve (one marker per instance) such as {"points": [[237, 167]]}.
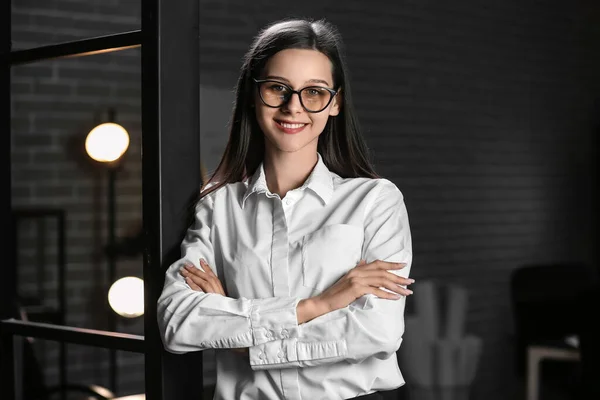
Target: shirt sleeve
{"points": [[370, 326], [193, 320]]}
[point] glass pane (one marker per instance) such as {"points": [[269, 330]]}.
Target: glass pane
{"points": [[54, 106], [39, 23]]}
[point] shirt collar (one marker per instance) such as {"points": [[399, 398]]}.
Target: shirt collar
{"points": [[319, 181]]}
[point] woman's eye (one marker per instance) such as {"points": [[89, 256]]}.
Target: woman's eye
{"points": [[277, 88], [314, 91]]}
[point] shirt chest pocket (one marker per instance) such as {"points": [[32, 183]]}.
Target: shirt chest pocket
{"points": [[329, 253]]}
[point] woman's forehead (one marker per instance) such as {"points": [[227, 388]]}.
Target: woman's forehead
{"points": [[300, 66]]}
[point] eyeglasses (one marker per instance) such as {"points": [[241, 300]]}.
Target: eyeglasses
{"points": [[275, 94]]}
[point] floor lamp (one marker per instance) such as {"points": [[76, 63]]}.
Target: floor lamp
{"points": [[106, 144]]}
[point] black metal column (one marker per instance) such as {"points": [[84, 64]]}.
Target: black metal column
{"points": [[170, 174], [7, 271]]}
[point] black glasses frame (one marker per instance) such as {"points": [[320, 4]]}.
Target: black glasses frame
{"points": [[286, 99]]}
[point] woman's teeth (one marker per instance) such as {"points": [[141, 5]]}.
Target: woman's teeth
{"points": [[291, 126]]}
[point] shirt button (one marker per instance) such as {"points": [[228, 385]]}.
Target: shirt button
{"points": [[262, 356], [284, 333], [269, 334], [280, 354], [287, 202]]}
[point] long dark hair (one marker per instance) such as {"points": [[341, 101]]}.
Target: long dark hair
{"points": [[340, 144]]}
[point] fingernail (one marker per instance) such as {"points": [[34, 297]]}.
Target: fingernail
{"points": [[409, 291], [411, 280], [203, 261]]}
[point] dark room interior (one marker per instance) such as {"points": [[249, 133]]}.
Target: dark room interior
{"points": [[486, 115]]}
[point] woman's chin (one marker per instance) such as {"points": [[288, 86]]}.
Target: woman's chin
{"points": [[288, 146]]}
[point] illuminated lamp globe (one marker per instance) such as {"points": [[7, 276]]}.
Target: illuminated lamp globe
{"points": [[126, 297], [107, 142]]}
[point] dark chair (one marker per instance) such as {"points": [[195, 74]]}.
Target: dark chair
{"points": [[545, 302]]}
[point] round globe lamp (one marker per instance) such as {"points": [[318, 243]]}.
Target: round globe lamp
{"points": [[107, 142], [126, 297]]}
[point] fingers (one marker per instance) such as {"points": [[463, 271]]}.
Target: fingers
{"points": [[214, 278], [375, 277], [206, 267], [381, 265], [205, 281], [400, 280], [390, 285], [195, 281], [381, 282], [193, 286], [386, 265], [382, 294]]}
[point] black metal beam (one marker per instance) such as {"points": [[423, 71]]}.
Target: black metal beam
{"points": [[68, 334], [37, 212], [170, 174], [77, 48]]}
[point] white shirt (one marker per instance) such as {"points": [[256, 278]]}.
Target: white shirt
{"points": [[270, 253]]}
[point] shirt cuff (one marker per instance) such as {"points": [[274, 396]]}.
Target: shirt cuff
{"points": [[274, 318], [289, 353]]}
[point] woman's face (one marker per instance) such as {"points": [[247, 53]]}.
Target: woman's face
{"points": [[290, 128]]}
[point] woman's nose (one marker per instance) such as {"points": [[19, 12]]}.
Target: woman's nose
{"points": [[293, 104]]}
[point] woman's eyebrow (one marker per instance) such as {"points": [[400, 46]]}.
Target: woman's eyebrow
{"points": [[281, 78]]}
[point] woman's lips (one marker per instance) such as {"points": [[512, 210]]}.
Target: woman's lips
{"points": [[289, 127]]}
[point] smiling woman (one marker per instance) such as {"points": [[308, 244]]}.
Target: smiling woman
{"points": [[297, 262]]}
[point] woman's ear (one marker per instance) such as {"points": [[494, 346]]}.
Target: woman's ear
{"points": [[336, 104]]}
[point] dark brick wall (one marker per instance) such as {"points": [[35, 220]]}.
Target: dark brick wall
{"points": [[482, 114]]}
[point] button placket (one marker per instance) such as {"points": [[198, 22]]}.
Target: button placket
{"points": [[279, 252]]}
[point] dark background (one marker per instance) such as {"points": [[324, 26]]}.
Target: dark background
{"points": [[484, 114]]}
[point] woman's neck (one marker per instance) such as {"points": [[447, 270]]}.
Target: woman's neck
{"points": [[288, 171]]}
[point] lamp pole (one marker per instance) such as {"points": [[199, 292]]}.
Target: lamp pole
{"points": [[107, 143], [111, 261], [111, 254]]}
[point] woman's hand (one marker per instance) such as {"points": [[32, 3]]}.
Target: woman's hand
{"points": [[359, 281], [205, 281]]}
